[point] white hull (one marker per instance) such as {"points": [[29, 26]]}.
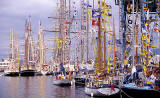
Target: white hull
{"points": [[101, 91], [44, 72], [93, 91], [109, 91]]}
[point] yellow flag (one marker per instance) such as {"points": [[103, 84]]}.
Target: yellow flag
{"points": [[142, 53], [145, 51], [108, 62], [108, 68], [145, 44], [109, 38], [89, 12], [102, 12], [60, 41], [110, 34], [109, 58], [95, 51], [125, 52], [90, 17], [148, 40], [145, 69], [144, 60], [125, 62], [102, 20]]}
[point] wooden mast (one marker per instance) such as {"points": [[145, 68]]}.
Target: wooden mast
{"points": [[99, 42], [26, 44]]}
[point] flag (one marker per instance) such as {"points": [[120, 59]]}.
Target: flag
{"points": [[145, 70], [156, 30], [118, 42], [112, 87], [96, 13], [88, 5], [93, 22], [89, 12], [125, 52], [68, 22], [90, 17], [125, 62], [98, 23]]}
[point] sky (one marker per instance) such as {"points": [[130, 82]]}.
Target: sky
{"points": [[13, 14]]}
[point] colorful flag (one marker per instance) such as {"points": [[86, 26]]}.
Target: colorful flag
{"points": [[68, 22]]}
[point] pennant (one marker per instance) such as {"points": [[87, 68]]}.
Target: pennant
{"points": [[108, 68], [125, 62], [145, 44], [90, 18], [145, 51], [145, 70], [98, 23], [109, 38], [109, 58], [96, 13], [88, 5], [89, 12], [156, 30], [93, 22], [67, 22], [125, 52], [118, 42]]}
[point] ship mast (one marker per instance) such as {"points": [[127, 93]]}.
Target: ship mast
{"points": [[99, 42]]}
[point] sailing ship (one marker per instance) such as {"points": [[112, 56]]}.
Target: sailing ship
{"points": [[44, 68], [142, 82], [13, 67], [28, 68], [63, 78], [97, 84]]}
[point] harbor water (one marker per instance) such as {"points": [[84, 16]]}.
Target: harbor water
{"points": [[37, 87]]}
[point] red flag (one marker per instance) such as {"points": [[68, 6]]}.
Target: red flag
{"points": [[156, 30], [98, 23], [145, 9], [67, 22], [70, 75], [93, 22], [112, 87]]}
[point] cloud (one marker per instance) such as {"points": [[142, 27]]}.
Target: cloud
{"points": [[13, 14]]}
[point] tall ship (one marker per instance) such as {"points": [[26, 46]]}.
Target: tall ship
{"points": [[13, 66], [28, 67]]}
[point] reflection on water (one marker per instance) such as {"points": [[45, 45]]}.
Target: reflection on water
{"points": [[36, 87]]}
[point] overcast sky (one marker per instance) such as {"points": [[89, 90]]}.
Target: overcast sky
{"points": [[13, 14]]}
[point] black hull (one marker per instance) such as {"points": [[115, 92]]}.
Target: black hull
{"points": [[137, 93], [80, 81], [13, 74], [27, 73]]}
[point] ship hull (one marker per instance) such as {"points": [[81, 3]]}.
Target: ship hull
{"points": [[80, 81], [11, 73], [137, 93], [28, 72], [102, 92], [62, 82]]}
